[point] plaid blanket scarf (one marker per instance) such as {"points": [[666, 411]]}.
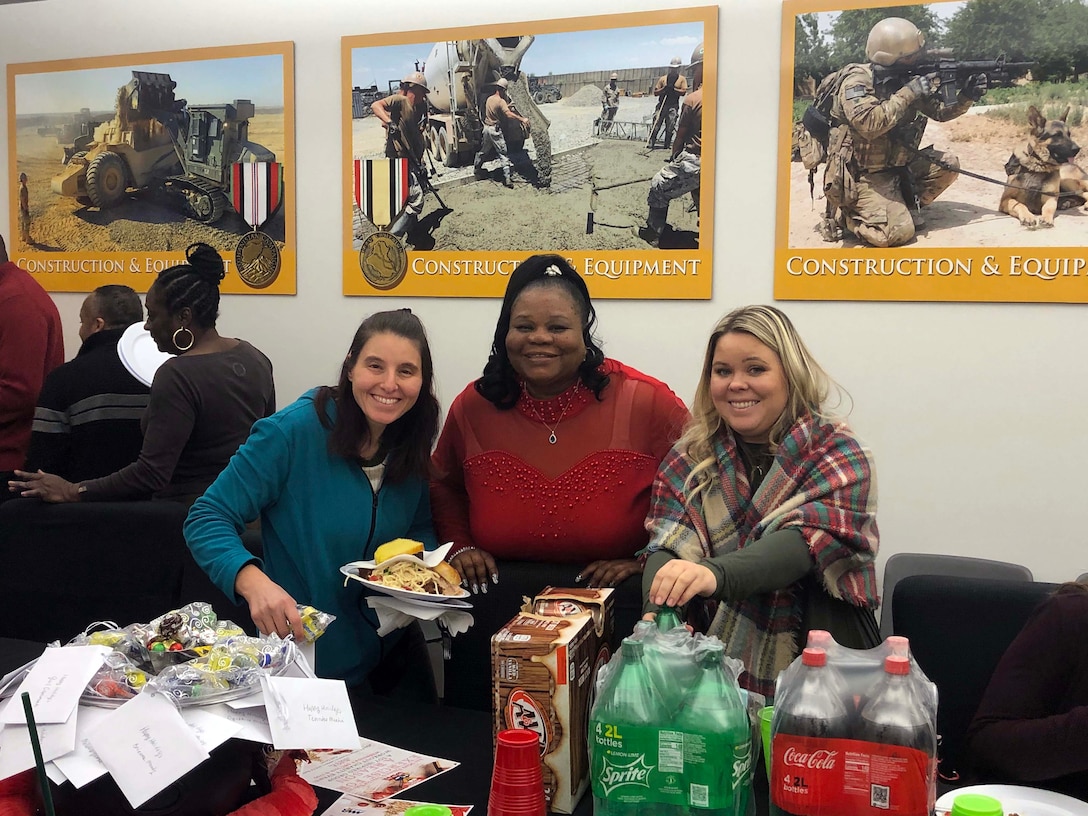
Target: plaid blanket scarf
{"points": [[822, 484]]}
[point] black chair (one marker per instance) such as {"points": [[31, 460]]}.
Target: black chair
{"points": [[69, 565], [958, 629], [900, 565]]}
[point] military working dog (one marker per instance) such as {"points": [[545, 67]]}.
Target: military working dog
{"points": [[1041, 174]]}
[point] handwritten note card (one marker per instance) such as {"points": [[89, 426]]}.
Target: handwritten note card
{"points": [[252, 722], [82, 766], [145, 744], [16, 752], [309, 713], [56, 681]]}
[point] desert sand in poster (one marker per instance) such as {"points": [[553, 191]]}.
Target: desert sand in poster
{"points": [[63, 224]]}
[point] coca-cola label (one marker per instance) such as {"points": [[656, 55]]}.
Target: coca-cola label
{"points": [[821, 760], [814, 776]]}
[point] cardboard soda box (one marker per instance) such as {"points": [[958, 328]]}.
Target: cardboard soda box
{"points": [[544, 663]]}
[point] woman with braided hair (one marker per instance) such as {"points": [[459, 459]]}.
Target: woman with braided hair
{"points": [[203, 401]]}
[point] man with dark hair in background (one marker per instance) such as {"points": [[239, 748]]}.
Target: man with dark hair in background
{"points": [[31, 345], [87, 423]]}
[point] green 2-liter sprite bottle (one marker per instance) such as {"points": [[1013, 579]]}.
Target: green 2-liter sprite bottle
{"points": [[717, 740], [625, 753]]}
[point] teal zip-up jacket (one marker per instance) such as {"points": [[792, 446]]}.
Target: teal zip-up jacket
{"points": [[318, 512]]}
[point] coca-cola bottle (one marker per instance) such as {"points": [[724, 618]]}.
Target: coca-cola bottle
{"points": [[899, 722], [717, 739], [808, 727], [624, 751]]}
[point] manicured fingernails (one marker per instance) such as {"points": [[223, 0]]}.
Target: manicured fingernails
{"points": [[475, 589], [483, 588], [578, 577], [494, 577]]}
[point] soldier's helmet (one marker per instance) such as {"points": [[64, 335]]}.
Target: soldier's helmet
{"points": [[416, 78], [893, 39], [614, 75], [697, 55], [675, 62]]}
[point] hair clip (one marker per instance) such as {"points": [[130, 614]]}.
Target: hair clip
{"points": [[553, 271]]}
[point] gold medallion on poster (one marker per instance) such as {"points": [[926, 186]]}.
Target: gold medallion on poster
{"points": [[121, 161], [925, 211], [258, 259], [565, 168], [383, 261]]}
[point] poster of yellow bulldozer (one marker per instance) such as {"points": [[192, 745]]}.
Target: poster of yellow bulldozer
{"points": [[124, 161]]}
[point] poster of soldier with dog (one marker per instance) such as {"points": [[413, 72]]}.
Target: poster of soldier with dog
{"points": [[930, 152]]}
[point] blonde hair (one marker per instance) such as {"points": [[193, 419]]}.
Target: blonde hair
{"points": [[808, 386]]}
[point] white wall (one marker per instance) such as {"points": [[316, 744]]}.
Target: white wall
{"points": [[974, 411]]}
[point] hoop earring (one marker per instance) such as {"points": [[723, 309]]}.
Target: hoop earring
{"points": [[179, 346]]}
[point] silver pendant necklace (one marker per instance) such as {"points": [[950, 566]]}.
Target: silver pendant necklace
{"points": [[552, 438]]}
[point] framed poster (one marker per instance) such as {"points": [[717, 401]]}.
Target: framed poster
{"points": [[122, 162], [928, 161], [572, 103]]}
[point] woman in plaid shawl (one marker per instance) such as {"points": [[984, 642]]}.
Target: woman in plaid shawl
{"points": [[766, 504]]}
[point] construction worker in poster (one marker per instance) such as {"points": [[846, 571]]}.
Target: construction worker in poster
{"points": [[403, 114], [610, 103], [670, 88], [24, 211], [682, 173]]}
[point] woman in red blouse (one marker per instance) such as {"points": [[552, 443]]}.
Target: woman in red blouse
{"points": [[551, 454], [545, 463]]}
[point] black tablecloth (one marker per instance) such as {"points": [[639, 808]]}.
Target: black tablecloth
{"points": [[450, 733]]}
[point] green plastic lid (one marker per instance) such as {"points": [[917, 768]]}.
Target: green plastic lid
{"points": [[428, 810], [976, 804]]}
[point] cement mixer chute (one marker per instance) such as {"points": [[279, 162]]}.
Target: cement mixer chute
{"points": [[457, 72]]}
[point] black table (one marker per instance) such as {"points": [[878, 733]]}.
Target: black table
{"points": [[450, 733]]}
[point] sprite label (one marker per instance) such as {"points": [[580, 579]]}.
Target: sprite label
{"points": [[643, 764]]}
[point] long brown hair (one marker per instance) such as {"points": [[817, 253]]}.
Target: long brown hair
{"points": [[407, 441]]}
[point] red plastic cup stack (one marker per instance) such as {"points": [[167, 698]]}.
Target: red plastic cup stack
{"points": [[517, 786]]}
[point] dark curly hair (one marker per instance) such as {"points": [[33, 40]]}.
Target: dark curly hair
{"points": [[409, 440], [500, 384], [194, 284]]}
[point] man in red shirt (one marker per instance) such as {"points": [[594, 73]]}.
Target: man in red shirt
{"points": [[31, 345]]}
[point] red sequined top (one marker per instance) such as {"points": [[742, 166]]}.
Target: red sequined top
{"points": [[504, 487]]}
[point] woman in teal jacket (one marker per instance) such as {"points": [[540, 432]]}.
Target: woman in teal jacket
{"points": [[331, 477]]}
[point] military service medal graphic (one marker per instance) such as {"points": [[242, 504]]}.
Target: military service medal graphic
{"points": [[257, 192], [381, 191]]}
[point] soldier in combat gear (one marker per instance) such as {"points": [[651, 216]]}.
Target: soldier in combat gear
{"points": [[876, 175], [669, 89]]}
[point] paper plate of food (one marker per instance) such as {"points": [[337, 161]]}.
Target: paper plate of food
{"points": [[1021, 800], [402, 569]]}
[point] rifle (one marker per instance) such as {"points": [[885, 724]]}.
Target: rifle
{"points": [[413, 163], [953, 72]]}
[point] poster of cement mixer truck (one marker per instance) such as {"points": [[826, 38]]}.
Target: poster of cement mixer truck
{"points": [[524, 148], [130, 159]]}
